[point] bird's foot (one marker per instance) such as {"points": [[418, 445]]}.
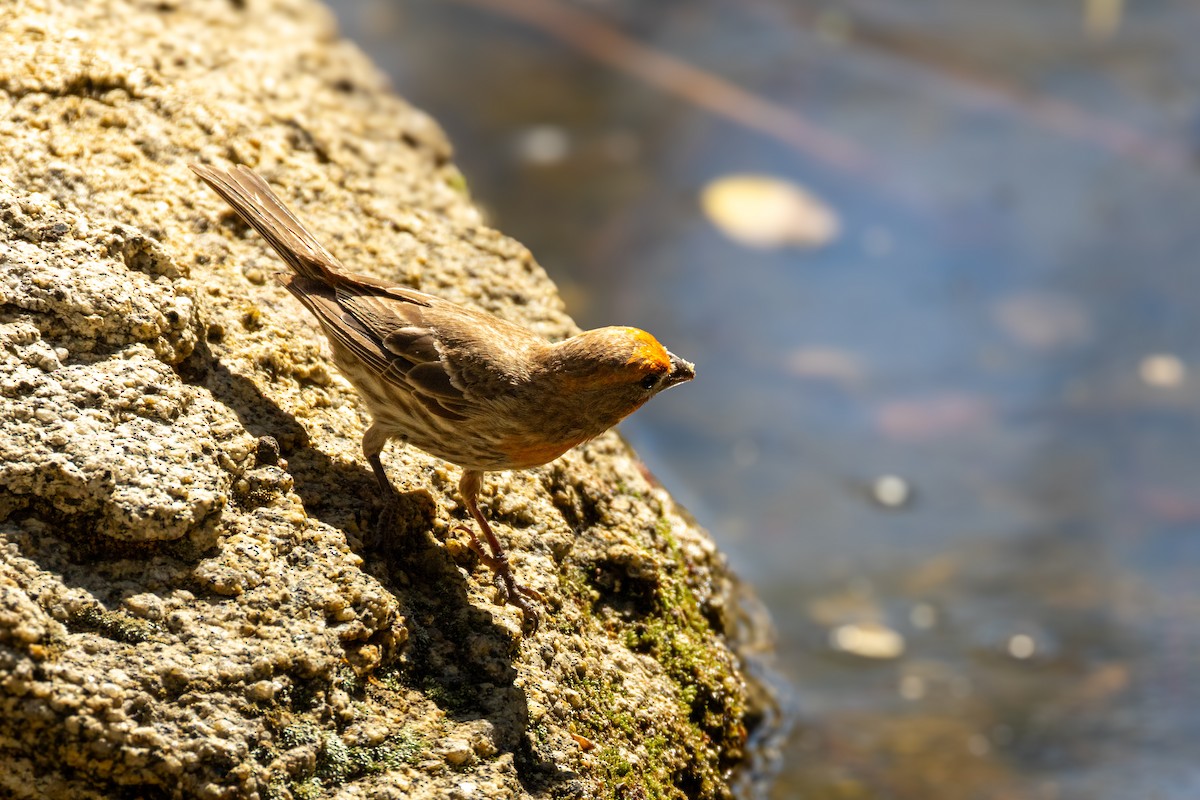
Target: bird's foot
{"points": [[384, 530], [517, 594]]}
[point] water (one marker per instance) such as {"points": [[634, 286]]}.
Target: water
{"points": [[1009, 322]]}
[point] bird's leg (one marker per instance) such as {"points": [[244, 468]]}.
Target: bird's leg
{"points": [[373, 442], [497, 559]]}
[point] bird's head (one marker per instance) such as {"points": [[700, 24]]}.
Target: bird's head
{"points": [[611, 372]]}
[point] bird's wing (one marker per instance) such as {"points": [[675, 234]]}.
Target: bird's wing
{"points": [[386, 328], [382, 325]]}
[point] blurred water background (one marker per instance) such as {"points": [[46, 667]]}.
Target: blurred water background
{"points": [[947, 422]]}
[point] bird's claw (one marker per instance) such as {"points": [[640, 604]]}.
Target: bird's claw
{"points": [[385, 527], [530, 592], [529, 615], [515, 593]]}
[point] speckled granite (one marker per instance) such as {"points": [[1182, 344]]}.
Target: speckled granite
{"points": [[185, 606]]}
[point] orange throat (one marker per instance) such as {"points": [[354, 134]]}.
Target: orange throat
{"points": [[524, 453]]}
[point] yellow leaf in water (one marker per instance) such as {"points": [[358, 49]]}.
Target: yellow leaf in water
{"points": [[765, 212], [867, 640]]}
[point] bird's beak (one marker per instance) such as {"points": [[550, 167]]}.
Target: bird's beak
{"points": [[681, 371]]}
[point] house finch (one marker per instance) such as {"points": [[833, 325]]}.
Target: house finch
{"points": [[456, 382]]}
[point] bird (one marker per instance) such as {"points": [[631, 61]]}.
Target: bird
{"points": [[466, 386]]}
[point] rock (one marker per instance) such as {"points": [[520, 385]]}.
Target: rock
{"points": [[185, 604], [119, 446]]}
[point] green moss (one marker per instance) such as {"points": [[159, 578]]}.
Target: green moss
{"points": [[663, 530], [301, 733], [667, 622], [575, 583], [541, 735], [335, 760], [278, 787], [338, 762], [616, 766], [619, 777], [311, 789], [347, 680], [390, 679], [395, 751]]}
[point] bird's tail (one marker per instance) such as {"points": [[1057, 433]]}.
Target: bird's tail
{"points": [[253, 200]]}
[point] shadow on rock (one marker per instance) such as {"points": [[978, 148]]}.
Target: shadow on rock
{"points": [[456, 654], [462, 660]]}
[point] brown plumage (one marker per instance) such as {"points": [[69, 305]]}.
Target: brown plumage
{"points": [[459, 383]]}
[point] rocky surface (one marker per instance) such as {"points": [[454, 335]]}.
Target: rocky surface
{"points": [[186, 608]]}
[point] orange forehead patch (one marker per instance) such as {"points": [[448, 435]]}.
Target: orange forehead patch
{"points": [[648, 353]]}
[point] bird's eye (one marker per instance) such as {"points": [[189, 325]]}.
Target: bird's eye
{"points": [[649, 382]]}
